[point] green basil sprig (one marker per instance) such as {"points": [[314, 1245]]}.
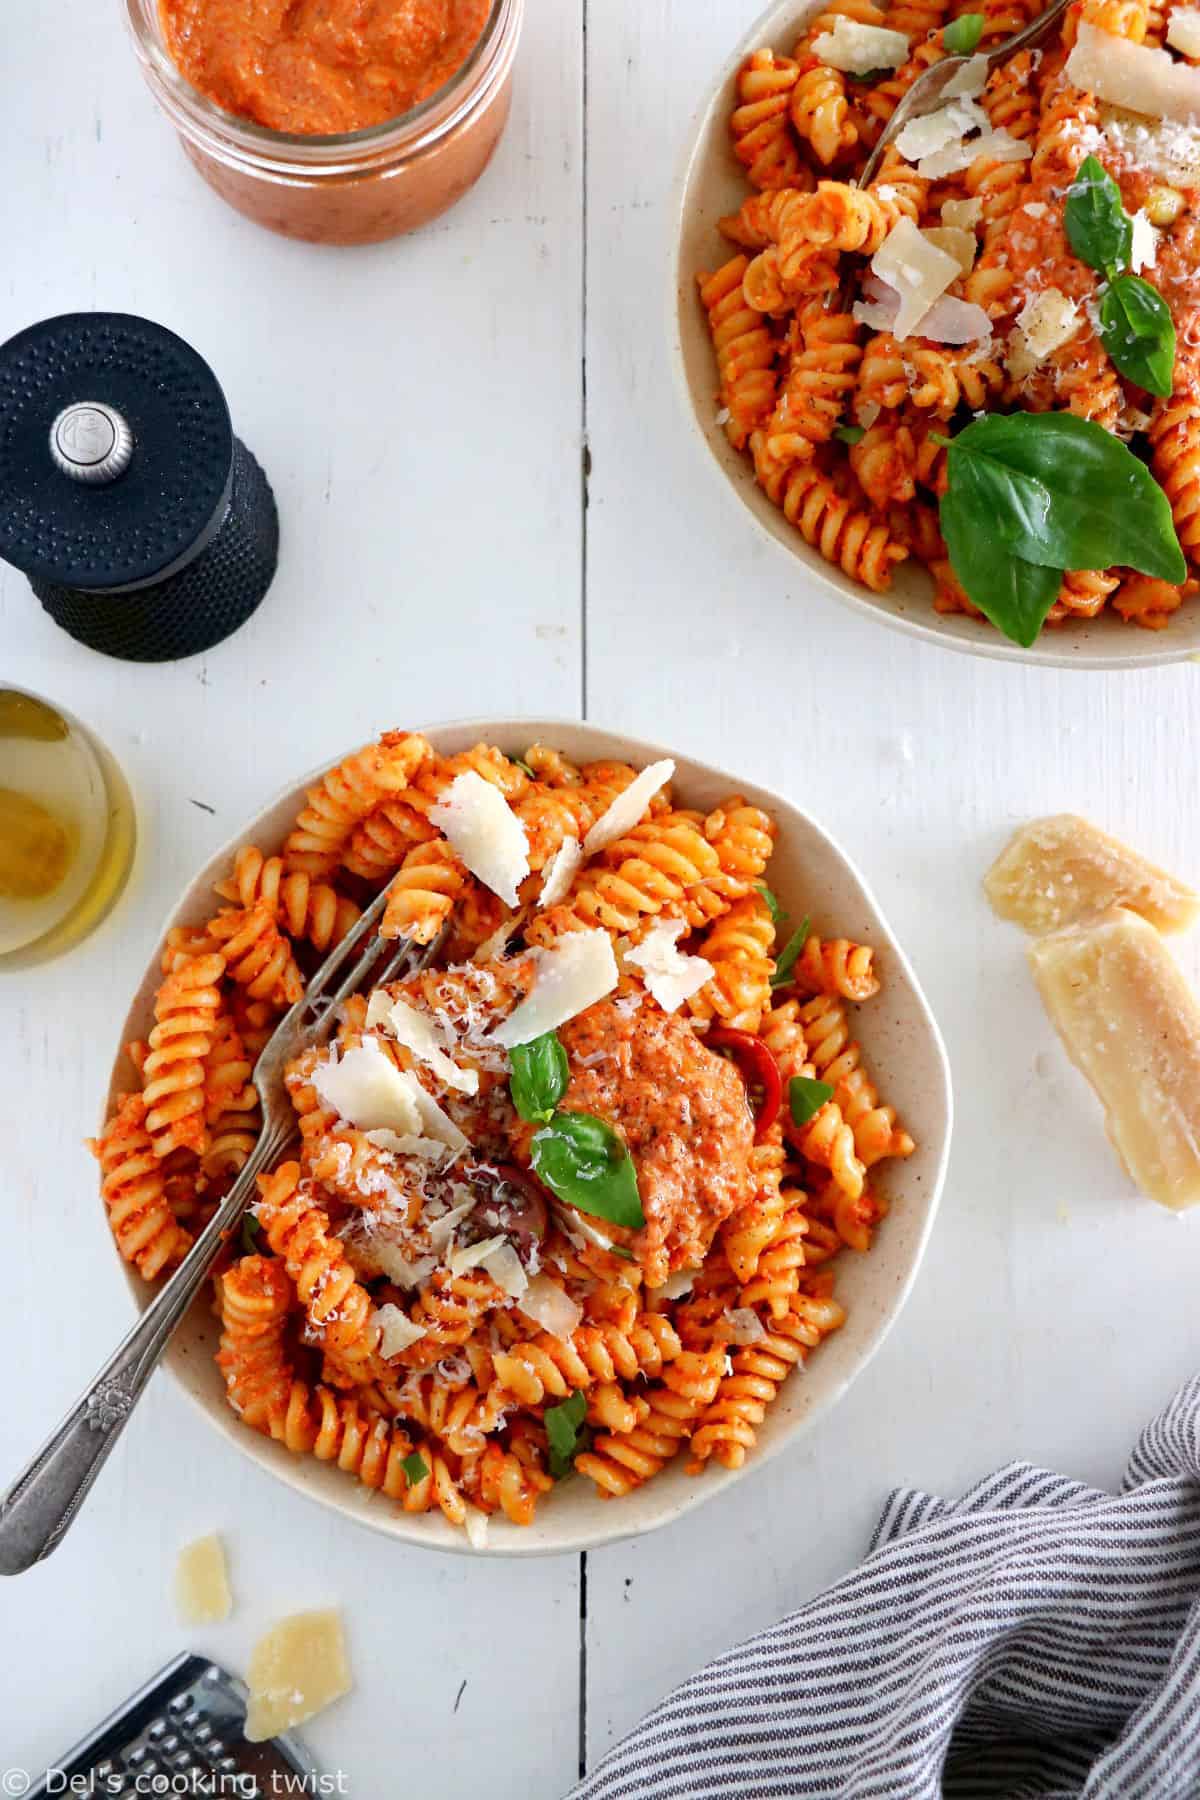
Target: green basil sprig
{"points": [[1139, 333], [566, 1433], [962, 35], [250, 1231], [1031, 495], [1136, 327], [584, 1162], [415, 1468], [785, 962], [523, 766], [806, 1097], [850, 434], [538, 1078], [1099, 230], [770, 900]]}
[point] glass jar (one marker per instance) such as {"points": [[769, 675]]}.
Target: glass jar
{"points": [[67, 830], [358, 186]]}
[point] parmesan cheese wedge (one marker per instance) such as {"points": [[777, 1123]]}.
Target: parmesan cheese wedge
{"points": [[670, 976], [629, 806], [296, 1670], [1056, 871], [1134, 76], [1131, 1025], [484, 831], [569, 978], [415, 1031], [202, 1582]]}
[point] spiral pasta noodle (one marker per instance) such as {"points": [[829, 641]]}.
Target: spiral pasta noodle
{"points": [[306, 908], [133, 1188], [745, 351], [346, 795], [173, 1071]]}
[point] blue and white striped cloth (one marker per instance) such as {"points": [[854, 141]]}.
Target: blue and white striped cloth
{"points": [[1036, 1638]]}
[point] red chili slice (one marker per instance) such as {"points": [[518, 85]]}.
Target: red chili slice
{"points": [[757, 1067]]}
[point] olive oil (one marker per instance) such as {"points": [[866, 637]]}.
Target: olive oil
{"points": [[66, 830]]}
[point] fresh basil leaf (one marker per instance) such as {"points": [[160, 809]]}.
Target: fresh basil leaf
{"points": [[1139, 334], [1015, 595], [850, 434], [1105, 506], [539, 1077], [584, 1162], [771, 900], [563, 1433], [523, 766], [1099, 230], [785, 962], [871, 75], [415, 1468], [1018, 505], [806, 1097], [962, 35], [250, 1231], [620, 1250]]}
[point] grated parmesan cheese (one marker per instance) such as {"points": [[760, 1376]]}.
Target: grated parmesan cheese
{"points": [[629, 806], [1047, 320], [484, 831], [429, 1148], [570, 977], [670, 976], [856, 49]]}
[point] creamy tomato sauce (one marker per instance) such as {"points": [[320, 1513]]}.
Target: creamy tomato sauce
{"points": [[319, 66], [683, 1113]]}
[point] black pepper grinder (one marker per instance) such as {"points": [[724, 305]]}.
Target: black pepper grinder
{"points": [[146, 528]]}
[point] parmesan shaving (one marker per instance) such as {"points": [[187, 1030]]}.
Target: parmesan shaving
{"points": [[997, 146], [1134, 76], [953, 321], [443, 1229], [970, 80], [962, 214], [1143, 247], [561, 872], [415, 1031], [395, 1265], [1046, 321], [627, 809], [396, 1330], [471, 1255], [1058, 870], [365, 1088], [429, 1148], [569, 978], [547, 1304], [484, 831], [504, 1267], [677, 1284], [476, 1526], [957, 242], [1183, 31], [857, 49], [917, 269], [296, 1670], [933, 131], [670, 976], [744, 1325], [202, 1582]]}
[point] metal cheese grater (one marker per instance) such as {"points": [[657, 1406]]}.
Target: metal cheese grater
{"points": [[182, 1734], [146, 528]]}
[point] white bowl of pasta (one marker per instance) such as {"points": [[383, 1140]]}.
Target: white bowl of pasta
{"points": [[463, 1421], [865, 517]]}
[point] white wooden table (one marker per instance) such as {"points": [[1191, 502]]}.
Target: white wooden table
{"points": [[423, 409]]}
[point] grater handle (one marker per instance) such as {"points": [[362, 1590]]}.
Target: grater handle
{"points": [[43, 1501]]}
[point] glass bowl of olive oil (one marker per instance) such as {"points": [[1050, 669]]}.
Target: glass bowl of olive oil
{"points": [[67, 830]]}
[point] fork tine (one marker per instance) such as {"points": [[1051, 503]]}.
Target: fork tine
{"points": [[421, 956]]}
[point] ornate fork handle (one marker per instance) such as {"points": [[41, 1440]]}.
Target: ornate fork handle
{"points": [[44, 1499]]}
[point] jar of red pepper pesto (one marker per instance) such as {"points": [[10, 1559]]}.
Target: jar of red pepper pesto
{"points": [[298, 131]]}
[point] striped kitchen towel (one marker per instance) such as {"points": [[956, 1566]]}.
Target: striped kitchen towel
{"points": [[1036, 1638]]}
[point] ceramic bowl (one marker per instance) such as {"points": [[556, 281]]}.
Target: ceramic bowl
{"points": [[712, 183], [903, 1048]]}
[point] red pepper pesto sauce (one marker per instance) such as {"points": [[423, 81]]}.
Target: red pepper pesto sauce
{"points": [[320, 66], [683, 1113]]}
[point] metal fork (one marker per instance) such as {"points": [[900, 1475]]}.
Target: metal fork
{"points": [[925, 93], [43, 1501]]}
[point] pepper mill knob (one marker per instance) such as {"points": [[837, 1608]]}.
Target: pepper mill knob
{"points": [[91, 442]]}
